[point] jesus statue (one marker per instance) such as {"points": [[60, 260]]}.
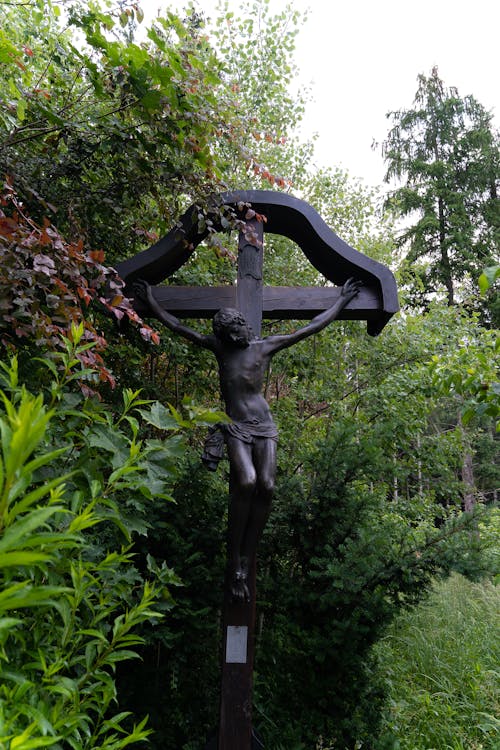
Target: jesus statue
{"points": [[251, 436]]}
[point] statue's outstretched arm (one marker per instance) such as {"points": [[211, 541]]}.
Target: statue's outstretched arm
{"points": [[144, 292], [275, 343]]}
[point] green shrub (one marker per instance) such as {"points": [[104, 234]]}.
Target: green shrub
{"points": [[339, 563], [75, 482]]}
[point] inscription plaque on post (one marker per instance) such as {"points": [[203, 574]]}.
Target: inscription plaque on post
{"points": [[236, 644]]}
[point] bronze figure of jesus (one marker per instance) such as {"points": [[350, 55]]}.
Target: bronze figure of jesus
{"points": [[251, 436]]}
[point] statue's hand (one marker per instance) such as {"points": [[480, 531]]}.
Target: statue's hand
{"points": [[350, 289]]}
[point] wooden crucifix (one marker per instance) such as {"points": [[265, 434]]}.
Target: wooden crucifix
{"points": [[243, 357]]}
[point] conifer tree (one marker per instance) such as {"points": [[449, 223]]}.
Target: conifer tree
{"points": [[444, 151]]}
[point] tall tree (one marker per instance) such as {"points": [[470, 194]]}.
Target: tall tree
{"points": [[257, 52], [445, 151]]}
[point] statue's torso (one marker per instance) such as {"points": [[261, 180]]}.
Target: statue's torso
{"points": [[242, 372]]}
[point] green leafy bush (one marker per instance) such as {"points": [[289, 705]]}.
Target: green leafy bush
{"points": [[339, 563], [75, 482]]}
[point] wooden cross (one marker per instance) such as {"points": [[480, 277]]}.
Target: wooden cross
{"points": [[376, 302]]}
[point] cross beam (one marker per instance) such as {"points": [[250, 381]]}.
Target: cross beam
{"points": [[278, 303]]}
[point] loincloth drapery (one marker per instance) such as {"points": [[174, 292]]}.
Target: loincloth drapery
{"points": [[246, 431]]}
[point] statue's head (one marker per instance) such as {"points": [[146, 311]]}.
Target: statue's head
{"points": [[230, 326]]}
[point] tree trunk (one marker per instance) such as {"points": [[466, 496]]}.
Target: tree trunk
{"points": [[445, 258], [469, 497]]}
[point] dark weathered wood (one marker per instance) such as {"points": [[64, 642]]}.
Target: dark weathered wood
{"points": [[250, 262], [235, 720], [279, 302], [191, 301], [332, 256], [288, 216]]}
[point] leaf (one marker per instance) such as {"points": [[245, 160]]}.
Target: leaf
{"points": [[7, 623], [94, 633], [121, 655], [12, 559], [22, 595], [488, 278], [152, 99], [178, 417], [85, 520], [21, 110], [111, 442], [97, 255], [23, 743], [45, 459], [159, 416], [25, 525], [34, 496]]}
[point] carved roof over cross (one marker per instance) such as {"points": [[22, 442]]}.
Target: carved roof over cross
{"points": [[285, 215]]}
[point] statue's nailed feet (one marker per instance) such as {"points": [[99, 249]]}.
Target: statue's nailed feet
{"points": [[239, 585]]}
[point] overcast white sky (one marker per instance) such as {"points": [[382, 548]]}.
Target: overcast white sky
{"points": [[363, 57]]}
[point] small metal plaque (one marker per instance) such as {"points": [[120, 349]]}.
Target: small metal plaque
{"points": [[236, 644]]}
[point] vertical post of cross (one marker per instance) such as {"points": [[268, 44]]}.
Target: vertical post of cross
{"points": [[249, 290], [235, 720]]}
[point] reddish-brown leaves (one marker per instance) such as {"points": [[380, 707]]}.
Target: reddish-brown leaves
{"points": [[46, 284], [96, 255]]}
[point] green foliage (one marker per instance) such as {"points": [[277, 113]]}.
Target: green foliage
{"points": [[441, 666], [366, 512], [74, 119], [488, 277], [471, 374], [352, 211], [489, 292], [446, 151], [388, 505], [340, 561], [72, 595], [115, 134], [181, 659], [257, 51], [80, 91]]}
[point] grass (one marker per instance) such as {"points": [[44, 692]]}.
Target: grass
{"points": [[442, 665]]}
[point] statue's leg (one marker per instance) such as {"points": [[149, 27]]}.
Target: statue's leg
{"points": [[264, 459], [242, 483]]}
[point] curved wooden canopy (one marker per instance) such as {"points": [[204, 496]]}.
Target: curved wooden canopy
{"points": [[287, 216]]}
